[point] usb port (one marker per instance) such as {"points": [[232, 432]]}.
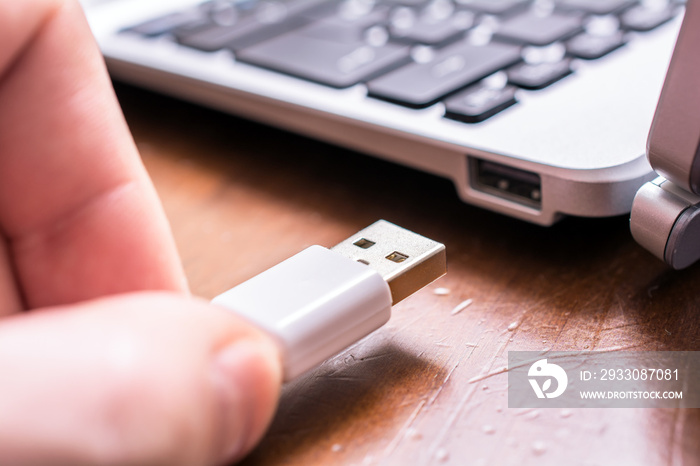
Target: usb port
{"points": [[509, 183]]}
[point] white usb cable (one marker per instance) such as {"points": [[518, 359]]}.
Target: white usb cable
{"points": [[320, 301]]}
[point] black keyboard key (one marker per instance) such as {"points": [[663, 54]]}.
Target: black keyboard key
{"points": [[334, 32], [164, 24], [430, 33], [531, 28], [222, 12], [479, 102], [337, 64], [245, 33], [495, 7], [540, 75], [361, 20], [645, 18], [403, 2], [422, 84], [431, 30], [244, 24], [596, 7], [193, 27], [592, 46], [338, 28]]}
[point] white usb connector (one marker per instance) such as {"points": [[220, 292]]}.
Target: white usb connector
{"points": [[320, 301]]}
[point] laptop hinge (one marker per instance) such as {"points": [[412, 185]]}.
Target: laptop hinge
{"points": [[665, 219]]}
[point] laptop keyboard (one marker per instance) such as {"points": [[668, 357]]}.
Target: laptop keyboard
{"points": [[471, 55]]}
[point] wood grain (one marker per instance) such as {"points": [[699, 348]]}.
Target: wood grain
{"points": [[429, 387]]}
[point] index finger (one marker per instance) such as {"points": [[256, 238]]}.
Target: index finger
{"points": [[76, 207]]}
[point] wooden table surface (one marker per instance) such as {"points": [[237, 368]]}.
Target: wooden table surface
{"points": [[429, 387]]}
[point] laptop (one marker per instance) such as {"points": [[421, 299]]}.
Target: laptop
{"points": [[537, 109]]}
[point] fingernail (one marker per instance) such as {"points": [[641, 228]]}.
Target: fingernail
{"points": [[246, 378]]}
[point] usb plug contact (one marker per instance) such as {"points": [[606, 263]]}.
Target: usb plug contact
{"points": [[407, 261], [320, 301]]}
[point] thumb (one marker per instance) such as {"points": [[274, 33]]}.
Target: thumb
{"points": [[145, 378]]}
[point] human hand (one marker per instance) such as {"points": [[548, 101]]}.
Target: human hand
{"points": [[100, 371]]}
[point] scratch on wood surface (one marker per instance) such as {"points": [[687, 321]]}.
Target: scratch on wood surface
{"points": [[676, 452], [481, 377], [618, 327], [331, 375], [545, 353], [458, 409], [350, 349], [444, 382], [561, 329], [402, 431], [451, 420], [461, 306], [611, 349], [441, 342], [524, 411], [604, 313], [651, 290], [374, 356]]}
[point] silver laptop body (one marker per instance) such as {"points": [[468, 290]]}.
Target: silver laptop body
{"points": [[575, 147]]}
